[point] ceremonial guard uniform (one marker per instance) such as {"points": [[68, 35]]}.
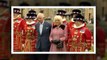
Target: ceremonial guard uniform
{"points": [[74, 13], [19, 29], [4, 30], [101, 41], [30, 34], [71, 23], [79, 39]]}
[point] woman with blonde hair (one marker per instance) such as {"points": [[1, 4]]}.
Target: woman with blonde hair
{"points": [[58, 35]]}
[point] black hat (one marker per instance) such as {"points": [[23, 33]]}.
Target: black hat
{"points": [[75, 11], [3, 3], [32, 12], [17, 10], [24, 4], [84, 3], [61, 12], [64, 13], [34, 16], [30, 16], [64, 4], [79, 17]]}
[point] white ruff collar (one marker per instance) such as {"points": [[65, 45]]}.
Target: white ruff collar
{"points": [[30, 23], [72, 20], [78, 26]]}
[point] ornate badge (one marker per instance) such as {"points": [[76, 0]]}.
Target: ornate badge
{"points": [[76, 32], [82, 31]]}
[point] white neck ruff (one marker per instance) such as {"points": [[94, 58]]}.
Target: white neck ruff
{"points": [[30, 23], [78, 26], [72, 20]]}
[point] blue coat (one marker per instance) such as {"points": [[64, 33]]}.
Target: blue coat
{"points": [[43, 43]]}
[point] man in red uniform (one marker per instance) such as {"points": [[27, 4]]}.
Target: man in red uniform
{"points": [[4, 30], [101, 40], [19, 29], [74, 13], [33, 13], [79, 39], [30, 34], [70, 24]]}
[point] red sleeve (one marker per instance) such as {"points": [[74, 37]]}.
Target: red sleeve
{"points": [[23, 27], [101, 42], [68, 30], [69, 40], [24, 35], [100, 35], [8, 25], [88, 36], [23, 24]]}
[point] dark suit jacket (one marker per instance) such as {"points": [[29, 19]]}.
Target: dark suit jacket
{"points": [[43, 43]]}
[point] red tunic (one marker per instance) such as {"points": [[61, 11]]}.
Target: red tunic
{"points": [[4, 35], [79, 39], [19, 29], [69, 27], [30, 38], [101, 42]]}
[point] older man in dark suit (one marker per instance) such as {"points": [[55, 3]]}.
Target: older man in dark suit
{"points": [[43, 28]]}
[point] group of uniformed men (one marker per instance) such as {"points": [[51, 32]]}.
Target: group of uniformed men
{"points": [[79, 37]]}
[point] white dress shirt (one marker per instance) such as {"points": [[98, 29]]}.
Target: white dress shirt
{"points": [[41, 27]]}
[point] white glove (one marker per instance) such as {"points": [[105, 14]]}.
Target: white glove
{"points": [[92, 45], [86, 50], [23, 45]]}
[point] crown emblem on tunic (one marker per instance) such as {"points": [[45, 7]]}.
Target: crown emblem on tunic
{"points": [[82, 31]]}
